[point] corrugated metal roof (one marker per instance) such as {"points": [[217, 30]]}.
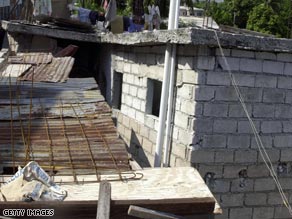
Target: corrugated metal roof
{"points": [[67, 128], [15, 70], [31, 58], [56, 71]]}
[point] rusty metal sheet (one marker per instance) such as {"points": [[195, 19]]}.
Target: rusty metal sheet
{"points": [[63, 137], [31, 58], [15, 70], [56, 71]]}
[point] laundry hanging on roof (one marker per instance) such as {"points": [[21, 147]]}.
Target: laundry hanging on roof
{"points": [[42, 7]]}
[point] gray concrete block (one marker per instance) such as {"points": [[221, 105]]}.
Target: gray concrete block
{"points": [[251, 94], [232, 200], [285, 82], [265, 184], [179, 150], [202, 156], [283, 111], [225, 94], [242, 53], [181, 120], [225, 126], [288, 96], [189, 76], [238, 141], [286, 155], [267, 141], [273, 67], [282, 213], [254, 199], [287, 126], [245, 80], [226, 52], [240, 213], [236, 110], [215, 110], [284, 57], [185, 62], [274, 96], [206, 62], [263, 213], [184, 137], [281, 141], [218, 78], [245, 128], [202, 125], [271, 127], [242, 185], [257, 170], [266, 81], [274, 155], [221, 186], [217, 170], [188, 107], [225, 156], [204, 93], [185, 91], [288, 69], [245, 156], [264, 111], [274, 198], [286, 183], [214, 141], [251, 65], [232, 63], [266, 55], [232, 171]]}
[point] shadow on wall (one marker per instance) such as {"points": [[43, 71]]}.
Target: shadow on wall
{"points": [[137, 151]]}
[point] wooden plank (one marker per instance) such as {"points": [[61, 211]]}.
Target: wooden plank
{"points": [[104, 201], [145, 213]]}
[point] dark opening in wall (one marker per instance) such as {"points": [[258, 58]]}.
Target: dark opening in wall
{"points": [[117, 90], [153, 97]]}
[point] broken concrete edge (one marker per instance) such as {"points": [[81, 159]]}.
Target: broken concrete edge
{"points": [[184, 36]]}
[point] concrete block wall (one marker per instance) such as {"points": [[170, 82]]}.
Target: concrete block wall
{"points": [[211, 131]]}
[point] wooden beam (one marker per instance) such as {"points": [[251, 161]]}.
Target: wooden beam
{"points": [[103, 207], [150, 214]]}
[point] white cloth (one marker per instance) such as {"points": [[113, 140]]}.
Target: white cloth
{"points": [[42, 7]]}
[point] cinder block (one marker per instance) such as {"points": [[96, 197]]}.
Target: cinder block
{"points": [[264, 111], [185, 91], [287, 126], [128, 100], [184, 137], [185, 62], [251, 65], [179, 150], [206, 62], [149, 121], [271, 127], [232, 63], [215, 110], [216, 169], [273, 67], [274, 96], [288, 96], [181, 120], [221, 186], [274, 198], [214, 141], [242, 53], [204, 93], [127, 68], [257, 170], [265, 184], [284, 57], [288, 69], [147, 145], [203, 50], [218, 78], [238, 141], [187, 50], [144, 131], [286, 155], [232, 200], [244, 80], [285, 82], [150, 59], [135, 69], [225, 156], [153, 136], [266, 55], [242, 185], [140, 117], [202, 125], [141, 93], [190, 76], [263, 213], [283, 111], [236, 110], [281, 141], [246, 156], [225, 126], [251, 94], [266, 81], [226, 52], [286, 183], [225, 94], [202, 156], [188, 107], [232, 171], [282, 213], [240, 213], [274, 155], [267, 141], [136, 103], [254, 199]]}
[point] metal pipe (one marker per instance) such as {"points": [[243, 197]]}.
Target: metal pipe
{"points": [[165, 88], [171, 91]]}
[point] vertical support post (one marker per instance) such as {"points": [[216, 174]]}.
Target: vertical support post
{"points": [[104, 199]]}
